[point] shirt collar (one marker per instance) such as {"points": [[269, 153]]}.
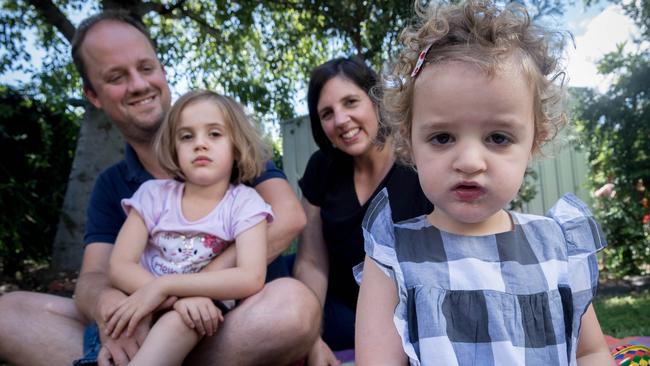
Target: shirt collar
{"points": [[136, 172]]}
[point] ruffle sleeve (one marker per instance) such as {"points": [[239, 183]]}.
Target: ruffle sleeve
{"points": [[584, 238]]}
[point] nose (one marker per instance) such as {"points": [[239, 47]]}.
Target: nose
{"points": [[200, 143], [340, 117], [470, 158], [137, 83]]}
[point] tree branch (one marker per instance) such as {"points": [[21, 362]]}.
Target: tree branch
{"points": [[202, 23], [53, 16]]}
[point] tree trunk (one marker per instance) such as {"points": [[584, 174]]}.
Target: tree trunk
{"points": [[100, 144]]}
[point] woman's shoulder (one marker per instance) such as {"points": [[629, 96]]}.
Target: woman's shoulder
{"points": [[406, 196], [403, 180], [323, 171]]}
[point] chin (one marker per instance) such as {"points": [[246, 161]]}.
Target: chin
{"points": [[357, 149], [472, 215]]}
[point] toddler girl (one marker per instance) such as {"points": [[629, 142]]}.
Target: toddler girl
{"points": [[175, 227], [472, 99]]}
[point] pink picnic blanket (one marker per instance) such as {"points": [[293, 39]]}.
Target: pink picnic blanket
{"points": [[637, 340]]}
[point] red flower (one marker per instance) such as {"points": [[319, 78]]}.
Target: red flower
{"points": [[646, 219]]}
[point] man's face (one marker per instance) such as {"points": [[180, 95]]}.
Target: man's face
{"points": [[127, 80]]}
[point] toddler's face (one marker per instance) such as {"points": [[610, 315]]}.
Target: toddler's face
{"points": [[472, 137]]}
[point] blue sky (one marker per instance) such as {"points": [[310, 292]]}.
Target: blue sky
{"points": [[597, 30]]}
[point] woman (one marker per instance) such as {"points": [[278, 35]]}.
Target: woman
{"points": [[355, 161]]}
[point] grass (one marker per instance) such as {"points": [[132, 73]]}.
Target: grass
{"points": [[624, 316]]}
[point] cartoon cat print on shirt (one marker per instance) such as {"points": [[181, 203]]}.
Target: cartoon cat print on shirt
{"points": [[180, 253]]}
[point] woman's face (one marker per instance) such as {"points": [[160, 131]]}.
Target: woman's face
{"points": [[348, 116]]}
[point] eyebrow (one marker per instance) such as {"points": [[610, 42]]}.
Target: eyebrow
{"points": [[219, 125], [500, 123], [346, 96], [139, 62]]}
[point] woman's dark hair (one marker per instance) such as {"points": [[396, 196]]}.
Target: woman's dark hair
{"points": [[353, 69]]}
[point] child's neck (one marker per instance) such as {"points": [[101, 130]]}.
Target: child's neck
{"points": [[198, 201], [499, 222]]}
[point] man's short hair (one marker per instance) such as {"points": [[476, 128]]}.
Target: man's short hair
{"points": [[119, 15]]}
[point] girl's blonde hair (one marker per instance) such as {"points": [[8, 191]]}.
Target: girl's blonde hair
{"points": [[250, 152], [481, 34]]}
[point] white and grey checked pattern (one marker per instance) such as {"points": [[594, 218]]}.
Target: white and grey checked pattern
{"points": [[513, 298]]}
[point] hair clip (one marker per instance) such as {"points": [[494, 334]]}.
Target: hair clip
{"points": [[420, 63]]}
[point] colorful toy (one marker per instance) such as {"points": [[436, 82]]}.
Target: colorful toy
{"points": [[631, 355]]}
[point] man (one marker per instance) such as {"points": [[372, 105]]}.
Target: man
{"points": [[122, 75]]}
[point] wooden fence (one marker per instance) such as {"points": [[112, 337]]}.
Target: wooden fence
{"points": [[566, 172]]}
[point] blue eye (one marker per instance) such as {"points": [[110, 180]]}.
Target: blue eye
{"points": [[441, 139], [499, 139]]}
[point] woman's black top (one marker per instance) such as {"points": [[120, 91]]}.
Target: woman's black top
{"points": [[328, 183]]}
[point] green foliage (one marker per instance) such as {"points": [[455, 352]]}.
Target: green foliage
{"points": [[37, 143], [260, 52], [276, 149], [624, 316], [616, 135]]}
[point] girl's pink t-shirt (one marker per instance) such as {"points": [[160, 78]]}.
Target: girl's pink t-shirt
{"points": [[177, 245]]}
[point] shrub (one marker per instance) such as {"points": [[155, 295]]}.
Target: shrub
{"points": [[37, 145], [615, 129]]}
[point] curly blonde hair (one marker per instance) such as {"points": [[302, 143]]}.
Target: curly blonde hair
{"points": [[251, 153], [482, 34]]}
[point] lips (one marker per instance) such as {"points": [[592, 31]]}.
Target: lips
{"points": [[468, 191], [201, 160], [143, 101]]}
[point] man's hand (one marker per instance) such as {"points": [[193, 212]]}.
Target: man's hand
{"points": [[320, 354], [199, 313], [131, 310], [121, 351]]}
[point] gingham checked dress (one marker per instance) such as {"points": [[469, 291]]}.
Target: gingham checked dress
{"points": [[511, 298]]}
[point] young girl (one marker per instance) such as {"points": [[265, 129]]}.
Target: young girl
{"points": [[175, 227], [472, 100]]}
